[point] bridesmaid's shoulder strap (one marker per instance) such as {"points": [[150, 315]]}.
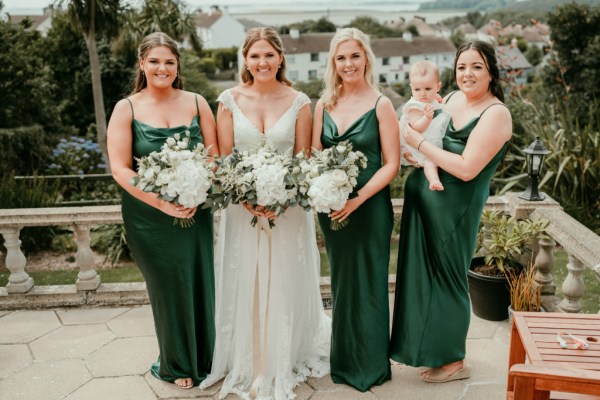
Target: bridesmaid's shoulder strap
{"points": [[377, 102], [130, 105], [492, 105], [450, 95], [197, 108]]}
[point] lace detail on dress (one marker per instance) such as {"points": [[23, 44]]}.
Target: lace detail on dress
{"points": [[299, 330]]}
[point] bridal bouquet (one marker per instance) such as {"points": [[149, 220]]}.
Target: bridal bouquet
{"points": [[177, 174], [261, 178], [331, 174]]}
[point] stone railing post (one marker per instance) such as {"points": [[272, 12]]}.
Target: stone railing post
{"points": [[87, 278], [544, 262], [19, 281], [573, 286]]}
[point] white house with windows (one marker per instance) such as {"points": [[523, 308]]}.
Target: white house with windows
{"points": [[217, 29], [306, 55]]}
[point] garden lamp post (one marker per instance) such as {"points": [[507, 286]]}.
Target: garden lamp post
{"points": [[534, 154]]}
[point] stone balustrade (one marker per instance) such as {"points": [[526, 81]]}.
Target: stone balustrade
{"points": [[581, 245]]}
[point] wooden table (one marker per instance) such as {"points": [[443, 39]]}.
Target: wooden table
{"points": [[550, 367]]}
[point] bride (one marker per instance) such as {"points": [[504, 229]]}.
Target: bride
{"points": [[271, 330]]}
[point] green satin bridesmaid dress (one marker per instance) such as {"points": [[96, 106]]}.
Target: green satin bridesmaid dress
{"points": [[437, 241], [177, 265], [359, 257]]}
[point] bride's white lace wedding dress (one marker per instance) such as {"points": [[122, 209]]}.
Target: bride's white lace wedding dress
{"points": [[297, 340]]}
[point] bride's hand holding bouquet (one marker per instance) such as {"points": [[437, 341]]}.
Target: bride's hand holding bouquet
{"points": [[261, 181]]}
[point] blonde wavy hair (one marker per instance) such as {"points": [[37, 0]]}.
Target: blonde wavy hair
{"points": [[271, 36], [332, 81]]}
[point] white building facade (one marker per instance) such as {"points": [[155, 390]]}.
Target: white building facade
{"points": [[306, 55]]}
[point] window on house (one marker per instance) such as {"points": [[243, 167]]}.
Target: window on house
{"points": [[314, 56], [290, 59], [312, 74], [382, 78], [293, 75], [406, 59], [385, 61], [397, 76]]}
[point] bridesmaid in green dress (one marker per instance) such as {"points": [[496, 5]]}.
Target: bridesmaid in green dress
{"points": [[439, 228], [177, 263], [351, 108]]}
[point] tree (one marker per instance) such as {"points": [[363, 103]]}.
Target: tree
{"points": [[169, 16], [457, 38], [93, 17], [574, 70], [372, 27], [24, 82]]}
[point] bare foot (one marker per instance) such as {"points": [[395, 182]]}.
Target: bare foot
{"points": [[184, 383], [436, 185]]}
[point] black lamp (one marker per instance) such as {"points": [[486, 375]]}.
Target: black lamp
{"points": [[534, 154]]}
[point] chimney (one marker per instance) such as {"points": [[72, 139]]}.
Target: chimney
{"points": [[213, 9], [407, 36], [48, 10], [294, 33], [514, 43]]}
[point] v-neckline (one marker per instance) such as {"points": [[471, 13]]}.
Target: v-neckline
{"points": [[349, 126], [172, 127], [253, 124]]}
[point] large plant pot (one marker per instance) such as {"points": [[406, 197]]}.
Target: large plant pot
{"points": [[490, 295]]}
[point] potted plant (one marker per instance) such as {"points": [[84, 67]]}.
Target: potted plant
{"points": [[503, 245], [525, 292]]}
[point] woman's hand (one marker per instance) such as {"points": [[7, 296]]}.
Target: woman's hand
{"points": [[408, 157], [260, 211], [177, 211], [348, 209]]}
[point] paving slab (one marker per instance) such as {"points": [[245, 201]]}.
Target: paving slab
{"points": [[3, 313], [488, 360], [25, 326], [45, 380], [13, 357], [482, 329], [124, 387], [166, 390], [407, 384], [137, 321], [76, 341], [487, 391], [86, 316], [124, 356]]}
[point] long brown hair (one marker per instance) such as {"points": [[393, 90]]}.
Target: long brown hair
{"points": [[487, 52], [151, 41], [271, 36]]}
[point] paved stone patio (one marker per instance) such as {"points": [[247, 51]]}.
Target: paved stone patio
{"points": [[105, 353]]}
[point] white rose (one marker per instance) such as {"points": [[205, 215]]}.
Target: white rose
{"points": [[339, 178], [171, 141], [340, 148]]}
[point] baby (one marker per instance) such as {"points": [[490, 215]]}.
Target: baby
{"points": [[426, 115]]}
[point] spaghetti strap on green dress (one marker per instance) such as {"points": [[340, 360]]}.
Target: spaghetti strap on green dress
{"points": [[437, 240], [177, 265], [359, 261]]}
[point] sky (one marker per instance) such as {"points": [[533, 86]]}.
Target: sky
{"points": [[31, 5]]}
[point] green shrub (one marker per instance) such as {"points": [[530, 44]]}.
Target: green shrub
{"points": [[24, 150], [110, 240], [29, 193]]}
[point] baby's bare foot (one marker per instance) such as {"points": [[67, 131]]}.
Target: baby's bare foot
{"points": [[436, 185]]}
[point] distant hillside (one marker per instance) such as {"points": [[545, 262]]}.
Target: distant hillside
{"points": [[534, 6], [471, 5], [545, 5]]}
